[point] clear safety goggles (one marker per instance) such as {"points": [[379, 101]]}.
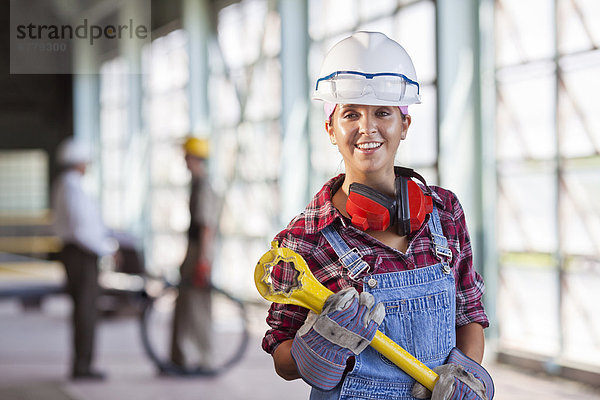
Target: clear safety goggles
{"points": [[385, 86]]}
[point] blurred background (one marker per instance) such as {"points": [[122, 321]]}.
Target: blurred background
{"points": [[509, 121]]}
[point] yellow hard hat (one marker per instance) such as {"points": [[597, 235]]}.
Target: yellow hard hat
{"points": [[197, 147]]}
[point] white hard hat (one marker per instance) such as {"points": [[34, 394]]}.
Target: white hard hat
{"points": [[71, 152], [368, 68]]}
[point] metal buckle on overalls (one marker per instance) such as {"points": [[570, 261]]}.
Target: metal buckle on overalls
{"points": [[440, 244], [443, 251], [357, 259]]}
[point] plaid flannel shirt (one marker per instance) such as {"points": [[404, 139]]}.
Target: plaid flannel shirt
{"points": [[303, 235]]}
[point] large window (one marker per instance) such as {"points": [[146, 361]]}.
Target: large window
{"points": [[143, 120], [245, 98], [114, 135], [548, 159], [24, 182], [165, 113]]}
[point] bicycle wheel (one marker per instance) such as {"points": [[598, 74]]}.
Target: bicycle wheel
{"points": [[229, 333]]}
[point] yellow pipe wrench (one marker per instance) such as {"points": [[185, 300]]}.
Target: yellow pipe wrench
{"points": [[306, 291]]}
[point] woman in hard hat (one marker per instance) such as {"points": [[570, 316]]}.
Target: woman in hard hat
{"points": [[373, 230], [192, 320]]}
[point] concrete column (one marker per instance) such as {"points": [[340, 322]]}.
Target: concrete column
{"points": [[466, 155], [131, 51], [458, 94], [86, 104], [196, 22], [295, 163], [489, 192], [134, 178]]}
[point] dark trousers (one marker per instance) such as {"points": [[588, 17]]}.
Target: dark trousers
{"points": [[82, 284]]}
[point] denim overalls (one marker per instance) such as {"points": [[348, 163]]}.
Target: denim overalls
{"points": [[420, 317]]}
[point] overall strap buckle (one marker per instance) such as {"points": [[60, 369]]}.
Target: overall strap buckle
{"points": [[440, 243], [351, 259]]}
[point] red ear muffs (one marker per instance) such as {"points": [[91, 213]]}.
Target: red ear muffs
{"points": [[420, 205], [370, 209]]}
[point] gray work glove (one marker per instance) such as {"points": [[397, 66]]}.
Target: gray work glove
{"points": [[460, 378], [345, 327]]}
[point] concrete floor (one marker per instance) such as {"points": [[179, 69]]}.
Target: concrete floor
{"points": [[34, 365]]}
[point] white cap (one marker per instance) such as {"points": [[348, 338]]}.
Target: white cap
{"points": [[71, 151]]}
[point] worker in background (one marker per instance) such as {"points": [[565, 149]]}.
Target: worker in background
{"points": [[192, 319], [411, 276], [78, 223]]}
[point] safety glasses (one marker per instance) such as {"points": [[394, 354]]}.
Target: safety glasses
{"points": [[387, 86]]}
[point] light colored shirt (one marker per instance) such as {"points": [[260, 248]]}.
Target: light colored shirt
{"points": [[77, 218]]}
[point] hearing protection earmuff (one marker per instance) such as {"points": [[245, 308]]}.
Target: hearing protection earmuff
{"points": [[371, 209]]}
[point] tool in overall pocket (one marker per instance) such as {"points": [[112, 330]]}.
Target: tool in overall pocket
{"points": [[306, 291]]}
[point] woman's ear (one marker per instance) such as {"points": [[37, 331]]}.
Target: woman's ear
{"points": [[330, 132], [405, 125]]}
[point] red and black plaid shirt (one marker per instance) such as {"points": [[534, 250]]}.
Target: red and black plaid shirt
{"points": [[303, 235]]}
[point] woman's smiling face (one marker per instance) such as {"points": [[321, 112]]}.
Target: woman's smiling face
{"points": [[368, 136]]}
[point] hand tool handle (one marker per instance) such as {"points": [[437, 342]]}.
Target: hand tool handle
{"points": [[404, 360]]}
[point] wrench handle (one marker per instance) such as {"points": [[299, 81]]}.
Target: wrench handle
{"points": [[404, 360]]}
